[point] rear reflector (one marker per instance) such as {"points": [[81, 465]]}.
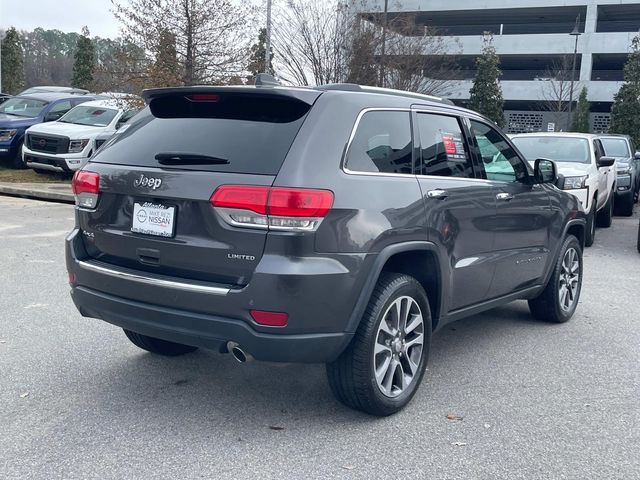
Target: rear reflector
{"points": [[270, 319], [86, 188], [278, 208], [72, 278]]}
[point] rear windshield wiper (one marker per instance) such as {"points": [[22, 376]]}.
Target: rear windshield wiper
{"points": [[189, 159]]}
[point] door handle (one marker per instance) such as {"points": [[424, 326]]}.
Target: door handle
{"points": [[505, 197], [437, 193]]}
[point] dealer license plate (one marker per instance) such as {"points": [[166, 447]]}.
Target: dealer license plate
{"points": [[153, 219]]}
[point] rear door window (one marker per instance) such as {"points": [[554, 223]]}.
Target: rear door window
{"points": [[382, 143], [443, 148], [248, 135]]}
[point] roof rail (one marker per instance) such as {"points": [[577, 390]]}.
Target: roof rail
{"points": [[352, 87]]}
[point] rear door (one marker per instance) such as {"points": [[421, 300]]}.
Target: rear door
{"points": [[523, 215], [157, 177], [458, 207]]}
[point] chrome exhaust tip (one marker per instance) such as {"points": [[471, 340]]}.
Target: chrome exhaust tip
{"points": [[238, 353]]}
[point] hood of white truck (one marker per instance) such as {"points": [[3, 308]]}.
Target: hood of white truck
{"points": [[71, 130]]}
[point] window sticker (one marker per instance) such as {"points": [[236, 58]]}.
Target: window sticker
{"points": [[453, 146]]}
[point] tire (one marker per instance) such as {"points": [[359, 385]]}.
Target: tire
{"points": [[158, 346], [638, 244], [352, 377], [16, 162], [625, 205], [547, 306], [590, 235], [605, 217]]}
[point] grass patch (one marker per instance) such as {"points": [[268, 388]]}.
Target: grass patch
{"points": [[10, 175]]}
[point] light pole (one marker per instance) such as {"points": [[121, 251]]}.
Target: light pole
{"points": [[575, 33], [267, 43], [384, 41]]}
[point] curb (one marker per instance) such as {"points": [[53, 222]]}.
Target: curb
{"points": [[15, 191]]}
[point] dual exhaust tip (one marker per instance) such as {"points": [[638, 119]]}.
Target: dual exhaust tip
{"points": [[238, 353]]}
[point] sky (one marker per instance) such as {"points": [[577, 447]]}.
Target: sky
{"points": [[65, 15]]}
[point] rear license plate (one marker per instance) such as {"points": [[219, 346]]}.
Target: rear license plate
{"points": [[153, 219]]}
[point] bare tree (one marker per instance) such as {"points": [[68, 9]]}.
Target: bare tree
{"points": [[327, 42], [556, 91], [309, 41], [209, 37], [417, 59]]}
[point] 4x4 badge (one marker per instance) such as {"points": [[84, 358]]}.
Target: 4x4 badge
{"points": [[147, 182]]}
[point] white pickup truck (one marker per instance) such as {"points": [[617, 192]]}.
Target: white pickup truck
{"points": [[588, 173], [66, 144]]}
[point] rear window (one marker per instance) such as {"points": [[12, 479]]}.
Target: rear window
{"points": [[253, 135]]}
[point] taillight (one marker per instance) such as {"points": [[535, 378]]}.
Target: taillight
{"points": [[86, 188], [276, 208]]}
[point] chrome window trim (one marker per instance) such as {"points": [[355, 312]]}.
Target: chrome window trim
{"points": [[343, 163], [156, 282]]}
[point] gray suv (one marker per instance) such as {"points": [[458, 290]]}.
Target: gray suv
{"points": [[337, 224]]}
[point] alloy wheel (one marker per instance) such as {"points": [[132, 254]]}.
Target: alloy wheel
{"points": [[569, 284], [399, 346]]}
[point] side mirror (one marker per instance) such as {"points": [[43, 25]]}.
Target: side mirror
{"points": [[605, 162], [637, 156], [52, 116], [545, 171]]}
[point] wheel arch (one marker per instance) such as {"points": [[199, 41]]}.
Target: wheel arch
{"points": [[417, 259], [577, 228]]}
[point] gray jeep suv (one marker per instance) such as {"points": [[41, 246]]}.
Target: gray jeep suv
{"points": [[337, 224]]}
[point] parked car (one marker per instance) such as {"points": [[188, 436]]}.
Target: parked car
{"points": [[54, 89], [63, 145], [621, 147], [21, 112], [588, 173], [337, 224]]}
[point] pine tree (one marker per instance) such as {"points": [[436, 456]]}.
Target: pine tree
{"points": [[486, 94], [625, 112], [581, 115], [256, 60], [165, 70], [84, 62], [12, 63]]}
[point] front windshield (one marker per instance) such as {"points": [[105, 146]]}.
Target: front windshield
{"points": [[615, 147], [91, 116], [22, 107], [559, 149]]}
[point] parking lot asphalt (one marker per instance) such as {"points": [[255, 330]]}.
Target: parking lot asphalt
{"points": [[536, 401]]}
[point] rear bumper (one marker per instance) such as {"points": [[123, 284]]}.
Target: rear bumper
{"points": [[318, 296], [207, 331]]}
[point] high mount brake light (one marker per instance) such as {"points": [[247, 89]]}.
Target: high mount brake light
{"points": [[86, 188], [275, 208], [203, 97]]}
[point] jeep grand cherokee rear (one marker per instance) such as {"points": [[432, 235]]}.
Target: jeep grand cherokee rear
{"points": [[316, 225]]}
